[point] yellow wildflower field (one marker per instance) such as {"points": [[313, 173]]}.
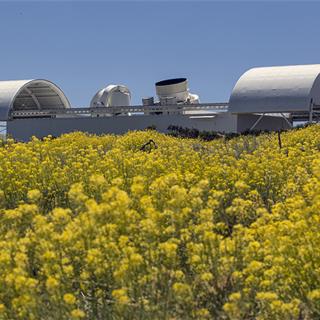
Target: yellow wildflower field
{"points": [[111, 228]]}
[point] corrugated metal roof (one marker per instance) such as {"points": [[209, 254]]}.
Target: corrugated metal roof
{"points": [[276, 89], [30, 94]]}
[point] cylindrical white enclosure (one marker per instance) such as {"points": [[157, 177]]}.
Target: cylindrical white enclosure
{"points": [[112, 96], [176, 89]]}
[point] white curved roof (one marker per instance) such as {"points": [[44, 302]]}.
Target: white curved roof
{"points": [[30, 95], [114, 95], [276, 89]]}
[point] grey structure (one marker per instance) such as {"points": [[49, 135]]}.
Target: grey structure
{"points": [[24, 129], [270, 98], [277, 90], [30, 95]]}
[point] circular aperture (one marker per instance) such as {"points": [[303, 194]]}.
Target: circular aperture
{"points": [[170, 82]]}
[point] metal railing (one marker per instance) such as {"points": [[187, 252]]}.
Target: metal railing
{"points": [[127, 110]]}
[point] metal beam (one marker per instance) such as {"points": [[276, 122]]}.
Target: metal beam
{"points": [[23, 96], [34, 98], [285, 118], [256, 123]]}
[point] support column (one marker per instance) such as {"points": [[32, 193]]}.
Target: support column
{"points": [[311, 112]]}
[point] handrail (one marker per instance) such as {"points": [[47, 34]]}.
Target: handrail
{"points": [[125, 110]]}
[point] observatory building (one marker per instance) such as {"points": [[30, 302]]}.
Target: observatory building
{"points": [[285, 89], [269, 98], [24, 95]]}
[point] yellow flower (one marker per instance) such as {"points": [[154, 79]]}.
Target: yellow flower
{"points": [[34, 195], [135, 260], [69, 298], [314, 295], [268, 296], [235, 296], [169, 249], [172, 227], [121, 296], [97, 180], [206, 276], [61, 215], [181, 290], [52, 283], [77, 314]]}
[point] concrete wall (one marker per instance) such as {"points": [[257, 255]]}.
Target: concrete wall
{"points": [[24, 129]]}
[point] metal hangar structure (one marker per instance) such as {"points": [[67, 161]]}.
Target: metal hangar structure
{"points": [[284, 89], [24, 95]]}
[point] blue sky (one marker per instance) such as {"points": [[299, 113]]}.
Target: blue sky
{"points": [[84, 46]]}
